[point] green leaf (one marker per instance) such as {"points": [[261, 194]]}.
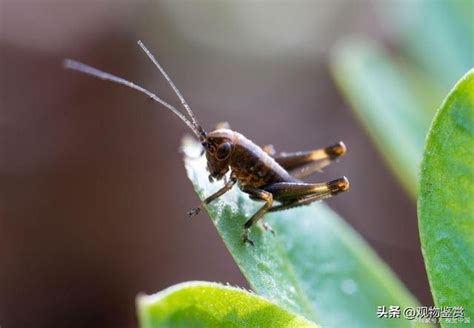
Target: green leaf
{"points": [[205, 304], [387, 102], [315, 264], [446, 201], [438, 35]]}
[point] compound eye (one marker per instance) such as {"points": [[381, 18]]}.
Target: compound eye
{"points": [[223, 151]]}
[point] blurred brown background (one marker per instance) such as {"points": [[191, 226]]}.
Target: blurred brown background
{"points": [[93, 192]]}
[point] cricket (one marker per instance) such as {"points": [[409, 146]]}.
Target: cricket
{"points": [[258, 171]]}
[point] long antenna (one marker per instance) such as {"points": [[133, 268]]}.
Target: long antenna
{"points": [[86, 69], [173, 86]]}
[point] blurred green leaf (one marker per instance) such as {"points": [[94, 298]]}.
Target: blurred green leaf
{"points": [[315, 265], [205, 304], [446, 201], [385, 102], [395, 99], [438, 35]]}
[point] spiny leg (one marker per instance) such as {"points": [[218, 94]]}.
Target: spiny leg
{"points": [[227, 186], [260, 195], [291, 161], [264, 225], [299, 194], [303, 164]]}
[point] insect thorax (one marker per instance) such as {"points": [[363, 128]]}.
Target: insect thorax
{"points": [[253, 167]]}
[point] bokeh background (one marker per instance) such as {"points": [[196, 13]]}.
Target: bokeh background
{"points": [[93, 192]]}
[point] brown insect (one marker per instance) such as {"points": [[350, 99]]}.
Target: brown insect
{"points": [[257, 171]]}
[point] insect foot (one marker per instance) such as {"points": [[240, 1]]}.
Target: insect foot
{"points": [[267, 227], [194, 211], [245, 237]]}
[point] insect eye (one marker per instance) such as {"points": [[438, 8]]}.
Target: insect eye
{"points": [[223, 151]]}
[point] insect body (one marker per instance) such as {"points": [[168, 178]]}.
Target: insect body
{"points": [[257, 171]]}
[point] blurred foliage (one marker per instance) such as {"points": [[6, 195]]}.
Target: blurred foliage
{"points": [[385, 104], [315, 265], [204, 304], [395, 96], [446, 201]]}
